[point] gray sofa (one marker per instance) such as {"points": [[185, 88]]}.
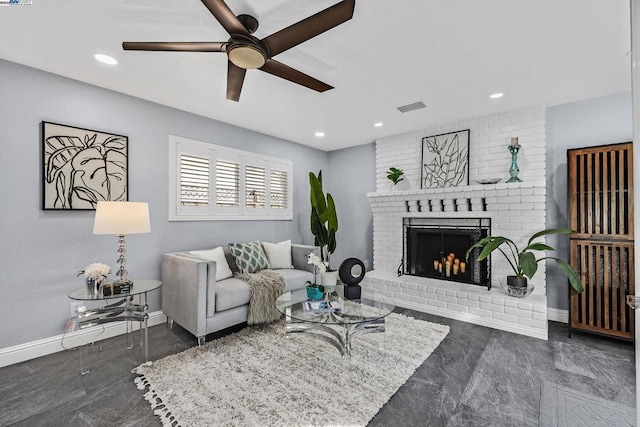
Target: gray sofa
{"points": [[192, 297]]}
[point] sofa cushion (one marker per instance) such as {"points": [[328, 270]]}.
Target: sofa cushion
{"points": [[229, 293], [233, 292], [278, 254], [295, 279], [222, 267], [250, 257]]}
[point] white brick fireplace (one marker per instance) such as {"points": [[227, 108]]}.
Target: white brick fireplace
{"points": [[516, 210]]}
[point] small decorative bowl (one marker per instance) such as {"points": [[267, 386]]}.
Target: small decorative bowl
{"points": [[489, 181], [517, 292]]}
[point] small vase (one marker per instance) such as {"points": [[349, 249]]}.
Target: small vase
{"points": [[315, 293], [93, 287]]}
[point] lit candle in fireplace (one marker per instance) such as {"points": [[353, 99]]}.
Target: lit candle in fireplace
{"points": [[456, 261], [435, 264], [452, 255], [455, 269], [463, 267], [447, 268]]}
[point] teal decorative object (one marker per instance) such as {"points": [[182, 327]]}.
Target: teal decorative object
{"points": [[315, 293], [514, 169]]}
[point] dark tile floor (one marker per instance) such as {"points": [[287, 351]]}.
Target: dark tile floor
{"points": [[476, 377]]}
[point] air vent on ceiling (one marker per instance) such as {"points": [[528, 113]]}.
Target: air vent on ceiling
{"points": [[410, 107]]}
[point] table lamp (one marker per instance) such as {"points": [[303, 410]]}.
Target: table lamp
{"points": [[120, 219]]}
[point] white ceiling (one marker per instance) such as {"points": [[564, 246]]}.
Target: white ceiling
{"points": [[447, 53]]}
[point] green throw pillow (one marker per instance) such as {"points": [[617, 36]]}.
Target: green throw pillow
{"points": [[250, 257]]}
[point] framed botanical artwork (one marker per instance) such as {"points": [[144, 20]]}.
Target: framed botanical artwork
{"points": [[82, 167], [445, 160]]}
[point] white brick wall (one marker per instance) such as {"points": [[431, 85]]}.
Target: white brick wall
{"points": [[517, 210], [488, 154]]}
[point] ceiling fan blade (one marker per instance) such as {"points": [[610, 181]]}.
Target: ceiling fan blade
{"points": [[177, 46], [310, 27], [284, 71], [226, 17], [235, 78]]}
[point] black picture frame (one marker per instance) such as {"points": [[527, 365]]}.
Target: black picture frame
{"points": [[445, 160], [81, 167]]}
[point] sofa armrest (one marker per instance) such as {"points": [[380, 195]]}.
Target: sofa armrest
{"points": [[299, 256], [184, 290]]}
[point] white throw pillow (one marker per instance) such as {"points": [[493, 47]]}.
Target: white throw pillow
{"points": [[278, 254], [222, 266]]}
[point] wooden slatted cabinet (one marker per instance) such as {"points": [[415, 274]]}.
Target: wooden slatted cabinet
{"points": [[601, 212]]}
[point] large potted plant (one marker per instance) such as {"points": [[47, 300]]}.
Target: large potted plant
{"points": [[324, 225], [524, 262]]}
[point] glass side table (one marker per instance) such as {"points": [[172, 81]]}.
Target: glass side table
{"points": [[119, 308]]}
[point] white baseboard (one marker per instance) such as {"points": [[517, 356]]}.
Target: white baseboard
{"points": [[558, 315], [31, 350]]}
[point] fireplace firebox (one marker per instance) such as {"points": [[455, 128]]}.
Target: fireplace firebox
{"points": [[436, 248]]}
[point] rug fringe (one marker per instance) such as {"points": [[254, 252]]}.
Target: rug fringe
{"points": [[157, 405]]}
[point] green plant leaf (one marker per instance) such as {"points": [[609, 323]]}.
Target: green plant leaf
{"points": [[550, 231], [491, 246], [316, 194], [332, 215], [479, 244], [528, 264], [574, 279], [538, 247]]}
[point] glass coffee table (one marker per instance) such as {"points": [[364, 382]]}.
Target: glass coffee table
{"points": [[338, 328]]}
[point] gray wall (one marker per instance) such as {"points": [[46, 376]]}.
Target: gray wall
{"points": [[598, 121], [43, 250], [352, 174]]}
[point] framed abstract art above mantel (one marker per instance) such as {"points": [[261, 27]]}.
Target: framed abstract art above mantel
{"points": [[445, 160], [82, 167]]}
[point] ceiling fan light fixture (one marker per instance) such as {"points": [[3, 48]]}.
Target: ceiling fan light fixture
{"points": [[247, 57]]}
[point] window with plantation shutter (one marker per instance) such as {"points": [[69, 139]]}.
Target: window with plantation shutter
{"points": [[194, 180], [213, 182], [254, 187], [279, 189], [227, 184]]}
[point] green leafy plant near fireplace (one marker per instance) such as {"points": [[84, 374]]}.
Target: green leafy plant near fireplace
{"points": [[524, 262]]}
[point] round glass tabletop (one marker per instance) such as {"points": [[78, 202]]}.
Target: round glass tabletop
{"points": [[139, 286], [344, 312]]}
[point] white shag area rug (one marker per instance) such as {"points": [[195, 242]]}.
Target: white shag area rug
{"points": [[261, 377]]}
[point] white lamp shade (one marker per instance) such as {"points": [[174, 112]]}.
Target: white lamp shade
{"points": [[121, 218]]}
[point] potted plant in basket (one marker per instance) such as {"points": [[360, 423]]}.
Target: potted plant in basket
{"points": [[324, 225], [524, 262], [395, 175]]}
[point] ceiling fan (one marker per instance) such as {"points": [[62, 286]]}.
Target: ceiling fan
{"points": [[246, 52]]}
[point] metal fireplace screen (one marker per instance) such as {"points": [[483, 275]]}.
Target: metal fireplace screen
{"points": [[436, 248]]}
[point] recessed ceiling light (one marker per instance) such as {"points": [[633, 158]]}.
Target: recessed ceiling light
{"points": [[105, 59], [495, 95], [319, 134], [378, 124]]}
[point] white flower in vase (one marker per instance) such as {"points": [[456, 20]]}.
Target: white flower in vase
{"points": [[96, 271]]}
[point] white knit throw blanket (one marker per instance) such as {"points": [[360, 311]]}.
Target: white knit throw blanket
{"points": [[266, 286]]}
